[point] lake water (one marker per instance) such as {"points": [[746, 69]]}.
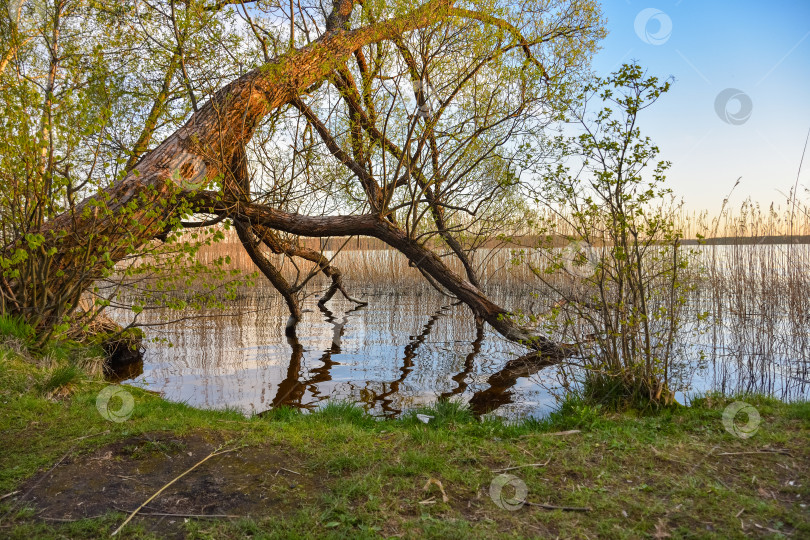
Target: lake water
{"points": [[398, 352], [412, 346]]}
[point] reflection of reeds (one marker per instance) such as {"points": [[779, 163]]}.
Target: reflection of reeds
{"points": [[751, 277]]}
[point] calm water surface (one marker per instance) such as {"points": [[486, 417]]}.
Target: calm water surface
{"points": [[410, 347], [399, 352]]}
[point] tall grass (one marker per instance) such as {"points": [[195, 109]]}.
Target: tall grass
{"points": [[749, 304], [368, 261], [755, 288], [16, 329]]}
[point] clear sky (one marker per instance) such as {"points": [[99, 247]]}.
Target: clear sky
{"points": [[759, 54]]}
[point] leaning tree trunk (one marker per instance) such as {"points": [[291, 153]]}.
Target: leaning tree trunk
{"points": [[137, 208], [377, 227]]}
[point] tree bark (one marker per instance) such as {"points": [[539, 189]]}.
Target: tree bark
{"points": [[136, 208], [270, 272], [377, 227]]}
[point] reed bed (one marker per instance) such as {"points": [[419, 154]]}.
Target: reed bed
{"points": [[368, 261], [379, 265], [755, 290], [748, 308]]}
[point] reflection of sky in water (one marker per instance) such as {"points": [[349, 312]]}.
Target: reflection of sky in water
{"points": [[399, 352]]}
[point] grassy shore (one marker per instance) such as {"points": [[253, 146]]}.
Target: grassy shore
{"points": [[67, 472]]}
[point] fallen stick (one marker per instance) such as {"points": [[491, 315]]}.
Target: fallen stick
{"points": [[93, 435], [210, 516], [523, 466], [158, 492], [563, 508], [782, 452], [46, 475], [67, 520], [156, 514], [437, 483], [774, 531]]}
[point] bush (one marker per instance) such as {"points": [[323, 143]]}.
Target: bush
{"points": [[619, 285]]}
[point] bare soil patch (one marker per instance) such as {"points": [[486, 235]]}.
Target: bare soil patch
{"points": [[251, 481]]}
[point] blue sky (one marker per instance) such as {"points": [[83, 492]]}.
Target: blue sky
{"points": [[760, 49]]}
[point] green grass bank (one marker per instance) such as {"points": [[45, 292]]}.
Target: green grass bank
{"points": [[66, 471]]}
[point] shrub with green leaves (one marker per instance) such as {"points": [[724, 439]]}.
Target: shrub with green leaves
{"points": [[618, 287]]}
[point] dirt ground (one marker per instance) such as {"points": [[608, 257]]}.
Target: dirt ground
{"points": [[252, 481]]}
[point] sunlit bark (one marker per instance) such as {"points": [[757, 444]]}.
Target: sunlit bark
{"points": [[210, 147]]}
